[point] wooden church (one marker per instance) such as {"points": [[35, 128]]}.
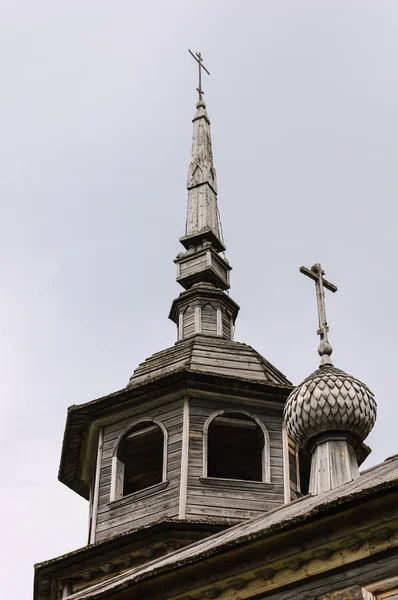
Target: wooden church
{"points": [[210, 475]]}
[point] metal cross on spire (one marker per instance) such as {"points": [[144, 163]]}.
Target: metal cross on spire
{"points": [[198, 57], [316, 273]]}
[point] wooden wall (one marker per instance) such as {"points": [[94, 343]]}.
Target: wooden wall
{"points": [[218, 500], [209, 319], [125, 514], [188, 324], [226, 326], [233, 502]]}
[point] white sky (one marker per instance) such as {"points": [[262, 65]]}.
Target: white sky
{"points": [[96, 103]]}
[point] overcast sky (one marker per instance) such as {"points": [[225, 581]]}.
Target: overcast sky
{"points": [[96, 106]]}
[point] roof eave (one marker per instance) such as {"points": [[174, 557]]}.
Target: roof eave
{"points": [[80, 418], [327, 507]]}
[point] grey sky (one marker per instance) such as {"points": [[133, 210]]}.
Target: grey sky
{"points": [[96, 103]]}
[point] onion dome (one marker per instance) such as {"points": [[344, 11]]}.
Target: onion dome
{"points": [[329, 400]]}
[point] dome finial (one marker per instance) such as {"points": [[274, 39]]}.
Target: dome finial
{"points": [[316, 273]]}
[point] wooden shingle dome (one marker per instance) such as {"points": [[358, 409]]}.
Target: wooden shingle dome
{"points": [[329, 400]]}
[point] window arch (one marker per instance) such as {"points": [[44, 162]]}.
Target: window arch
{"points": [[139, 458], [236, 446]]}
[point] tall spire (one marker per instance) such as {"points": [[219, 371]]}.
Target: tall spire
{"points": [[202, 214], [204, 308]]}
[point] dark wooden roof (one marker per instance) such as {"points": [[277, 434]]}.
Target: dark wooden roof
{"points": [[372, 482], [210, 355]]}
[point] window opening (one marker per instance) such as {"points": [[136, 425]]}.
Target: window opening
{"points": [[382, 590], [140, 458], [235, 448], [304, 465]]}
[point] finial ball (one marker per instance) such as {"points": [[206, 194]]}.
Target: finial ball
{"points": [[325, 348]]}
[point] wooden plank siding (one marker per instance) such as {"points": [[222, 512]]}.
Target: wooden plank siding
{"points": [[209, 320], [233, 502], [188, 322], [226, 326], [192, 265], [220, 269], [140, 509]]}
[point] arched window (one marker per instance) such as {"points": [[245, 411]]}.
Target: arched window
{"points": [[236, 446], [139, 459]]}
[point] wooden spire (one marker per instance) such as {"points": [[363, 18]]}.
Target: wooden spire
{"points": [[203, 269]]}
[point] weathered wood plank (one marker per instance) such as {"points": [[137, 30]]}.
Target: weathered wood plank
{"points": [[128, 521], [233, 503], [223, 513], [130, 509], [116, 530], [231, 496], [167, 410]]}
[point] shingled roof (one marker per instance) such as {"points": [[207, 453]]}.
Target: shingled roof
{"points": [[373, 481], [201, 354]]}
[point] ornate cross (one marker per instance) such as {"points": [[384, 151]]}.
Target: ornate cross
{"points": [[198, 57], [316, 273]]}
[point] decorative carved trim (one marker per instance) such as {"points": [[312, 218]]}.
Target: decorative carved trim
{"points": [[171, 546], [107, 567], [352, 544], [298, 562], [265, 574], [211, 593], [148, 552], [237, 584], [295, 564], [383, 534], [88, 575], [322, 553]]}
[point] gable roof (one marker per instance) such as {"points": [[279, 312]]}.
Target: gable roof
{"points": [[372, 481]]}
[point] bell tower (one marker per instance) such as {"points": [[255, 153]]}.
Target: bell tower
{"points": [[193, 443]]}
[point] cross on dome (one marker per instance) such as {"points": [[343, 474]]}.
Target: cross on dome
{"points": [[316, 274]]}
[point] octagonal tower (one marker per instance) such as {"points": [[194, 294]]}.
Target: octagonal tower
{"points": [[193, 443]]}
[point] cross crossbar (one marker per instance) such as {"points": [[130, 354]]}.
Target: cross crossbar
{"points": [[329, 286]]}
